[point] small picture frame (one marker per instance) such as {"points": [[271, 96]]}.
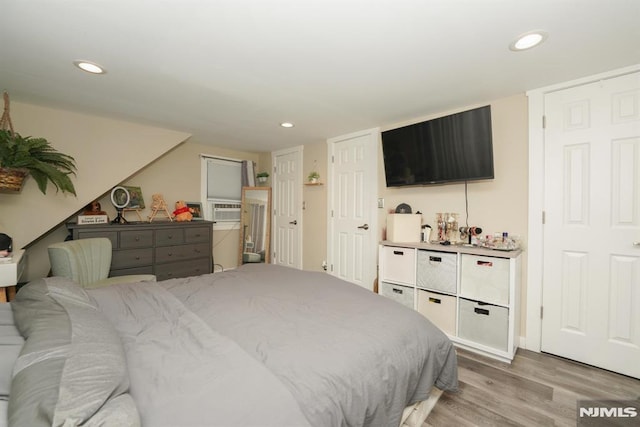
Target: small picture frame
{"points": [[136, 200], [196, 210]]}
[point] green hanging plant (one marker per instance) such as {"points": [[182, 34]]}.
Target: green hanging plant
{"points": [[39, 158]]}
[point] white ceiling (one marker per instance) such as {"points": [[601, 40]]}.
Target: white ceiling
{"points": [[229, 71]]}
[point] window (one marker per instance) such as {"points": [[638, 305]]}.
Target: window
{"points": [[222, 181]]}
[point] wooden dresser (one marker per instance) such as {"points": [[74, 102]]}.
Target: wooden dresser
{"points": [[166, 249]]}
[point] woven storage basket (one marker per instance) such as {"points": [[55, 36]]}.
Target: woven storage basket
{"points": [[11, 179]]}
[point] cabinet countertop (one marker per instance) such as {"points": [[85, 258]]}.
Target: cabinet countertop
{"points": [[455, 248], [141, 224]]}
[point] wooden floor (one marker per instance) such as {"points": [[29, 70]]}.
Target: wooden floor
{"points": [[534, 390]]}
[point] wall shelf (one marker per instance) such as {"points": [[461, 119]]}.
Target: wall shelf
{"points": [[313, 183]]}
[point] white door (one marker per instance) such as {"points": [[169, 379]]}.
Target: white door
{"points": [[287, 200], [591, 274], [353, 229]]}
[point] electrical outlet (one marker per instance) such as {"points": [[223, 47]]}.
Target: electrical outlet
{"points": [[324, 265], [380, 203]]}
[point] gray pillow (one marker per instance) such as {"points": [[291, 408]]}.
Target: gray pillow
{"points": [[72, 363]]}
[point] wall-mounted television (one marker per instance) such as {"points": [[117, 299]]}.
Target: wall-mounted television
{"points": [[458, 147]]}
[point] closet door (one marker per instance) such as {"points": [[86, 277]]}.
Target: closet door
{"points": [[591, 279]]}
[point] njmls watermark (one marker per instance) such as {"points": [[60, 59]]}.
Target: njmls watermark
{"points": [[608, 413]]}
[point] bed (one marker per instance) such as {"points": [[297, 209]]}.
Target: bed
{"points": [[261, 345]]}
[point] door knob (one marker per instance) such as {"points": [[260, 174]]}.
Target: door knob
{"points": [[294, 222], [636, 243], [364, 227]]}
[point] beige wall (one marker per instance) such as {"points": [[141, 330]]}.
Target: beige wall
{"points": [[495, 205], [314, 214], [103, 152]]}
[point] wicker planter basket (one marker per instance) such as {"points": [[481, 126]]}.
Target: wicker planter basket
{"points": [[11, 179]]}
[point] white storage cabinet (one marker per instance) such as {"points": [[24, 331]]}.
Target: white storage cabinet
{"points": [[472, 294]]}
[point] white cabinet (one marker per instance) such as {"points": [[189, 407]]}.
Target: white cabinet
{"points": [[472, 294]]}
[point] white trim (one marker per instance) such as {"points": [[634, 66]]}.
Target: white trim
{"points": [[374, 135], [536, 199], [299, 151]]}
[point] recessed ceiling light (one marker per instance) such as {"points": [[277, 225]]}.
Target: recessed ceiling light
{"points": [[89, 67], [528, 40], [286, 125]]}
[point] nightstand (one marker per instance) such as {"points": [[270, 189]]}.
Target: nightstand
{"points": [[10, 272]]}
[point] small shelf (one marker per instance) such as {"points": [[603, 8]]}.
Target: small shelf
{"points": [[313, 183]]}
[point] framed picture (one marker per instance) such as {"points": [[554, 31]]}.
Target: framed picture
{"points": [[196, 210], [136, 201]]}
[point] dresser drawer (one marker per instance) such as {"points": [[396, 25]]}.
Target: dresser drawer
{"points": [[173, 270], [439, 309], [131, 258], [485, 279], [197, 234], [398, 293], [169, 237], [399, 264], [136, 239], [111, 235], [437, 271], [147, 269], [177, 253], [484, 323]]}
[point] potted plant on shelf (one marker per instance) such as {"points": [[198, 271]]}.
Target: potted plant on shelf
{"points": [[313, 177], [262, 176], [21, 156]]}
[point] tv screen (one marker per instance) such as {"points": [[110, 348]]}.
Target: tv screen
{"points": [[458, 147]]}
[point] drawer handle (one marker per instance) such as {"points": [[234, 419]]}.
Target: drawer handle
{"points": [[481, 311], [398, 252], [435, 259], [137, 258], [435, 300], [397, 291], [137, 238], [484, 263], [170, 254]]}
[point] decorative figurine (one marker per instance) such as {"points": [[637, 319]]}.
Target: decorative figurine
{"points": [[182, 212]]}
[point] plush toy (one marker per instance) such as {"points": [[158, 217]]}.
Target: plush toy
{"points": [[182, 212], [93, 208]]}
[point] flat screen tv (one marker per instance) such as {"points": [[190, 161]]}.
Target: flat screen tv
{"points": [[458, 147]]}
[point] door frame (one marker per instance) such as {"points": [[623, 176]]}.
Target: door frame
{"points": [[535, 245], [374, 140], [298, 151]]}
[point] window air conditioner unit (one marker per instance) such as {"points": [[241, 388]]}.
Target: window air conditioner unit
{"points": [[226, 211]]}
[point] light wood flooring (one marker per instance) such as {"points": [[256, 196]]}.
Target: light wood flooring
{"points": [[534, 390]]}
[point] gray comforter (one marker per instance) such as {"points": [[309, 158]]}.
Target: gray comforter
{"points": [[265, 345]]}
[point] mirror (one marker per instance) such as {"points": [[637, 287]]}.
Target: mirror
{"points": [[255, 225]]}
